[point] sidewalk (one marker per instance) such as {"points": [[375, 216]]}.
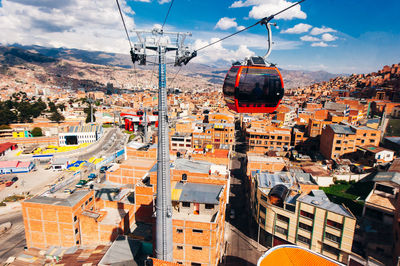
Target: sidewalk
{"points": [[11, 207]]}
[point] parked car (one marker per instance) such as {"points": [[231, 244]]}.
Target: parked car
{"points": [[9, 183], [69, 191], [81, 183], [14, 179], [103, 169], [92, 176]]}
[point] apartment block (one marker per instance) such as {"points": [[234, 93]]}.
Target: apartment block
{"points": [[181, 141], [213, 135], [380, 231], [198, 223], [286, 215], [268, 139], [55, 221], [339, 139], [86, 217]]}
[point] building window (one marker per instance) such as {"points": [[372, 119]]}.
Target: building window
{"points": [[303, 239], [282, 218], [332, 237], [279, 137], [179, 247], [263, 209], [330, 249], [195, 264], [264, 198], [179, 231], [261, 221], [197, 231], [307, 214], [76, 230], [334, 224], [186, 204], [209, 206], [197, 248], [75, 218], [305, 227], [337, 148], [281, 230], [77, 242], [338, 141], [90, 199]]}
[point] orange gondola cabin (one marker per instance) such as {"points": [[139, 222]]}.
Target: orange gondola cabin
{"points": [[253, 88]]}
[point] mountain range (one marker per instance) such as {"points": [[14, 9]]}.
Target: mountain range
{"points": [[18, 54]]}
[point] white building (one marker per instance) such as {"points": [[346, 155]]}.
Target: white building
{"points": [[77, 135]]}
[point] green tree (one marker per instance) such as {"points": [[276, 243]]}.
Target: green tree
{"points": [[37, 132], [52, 107], [57, 117], [61, 106]]}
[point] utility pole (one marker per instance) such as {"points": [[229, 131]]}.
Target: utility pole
{"points": [[147, 40]]}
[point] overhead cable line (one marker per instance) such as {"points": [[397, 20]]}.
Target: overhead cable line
{"points": [[123, 22], [261, 21], [129, 40], [169, 9]]}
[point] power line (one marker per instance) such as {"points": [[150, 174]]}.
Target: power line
{"points": [[169, 9], [123, 22], [261, 21]]}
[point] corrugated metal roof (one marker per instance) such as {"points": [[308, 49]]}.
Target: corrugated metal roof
{"points": [[192, 166], [72, 200], [341, 129], [199, 193], [319, 199], [122, 252]]}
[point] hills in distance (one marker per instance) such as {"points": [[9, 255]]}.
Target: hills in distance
{"points": [[19, 54]]}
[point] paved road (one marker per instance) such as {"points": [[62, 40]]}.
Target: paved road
{"points": [[240, 248], [13, 241]]}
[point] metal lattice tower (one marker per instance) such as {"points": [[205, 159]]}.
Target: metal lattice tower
{"points": [[148, 40]]}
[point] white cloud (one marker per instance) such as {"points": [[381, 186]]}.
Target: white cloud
{"points": [[68, 23], [220, 53], [240, 28], [317, 31], [146, 1], [308, 38], [319, 44], [163, 1], [226, 23], [265, 8], [327, 37], [299, 28]]}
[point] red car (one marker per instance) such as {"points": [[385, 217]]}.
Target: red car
{"points": [[9, 183]]}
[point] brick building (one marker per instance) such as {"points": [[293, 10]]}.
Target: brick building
{"points": [[339, 139], [285, 215], [198, 223], [213, 135], [268, 139]]}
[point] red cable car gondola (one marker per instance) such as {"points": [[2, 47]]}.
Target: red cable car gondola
{"points": [[253, 88]]}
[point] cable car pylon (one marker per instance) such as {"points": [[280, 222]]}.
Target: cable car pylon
{"points": [[139, 52]]}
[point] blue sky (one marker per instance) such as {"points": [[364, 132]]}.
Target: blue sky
{"points": [[339, 36]]}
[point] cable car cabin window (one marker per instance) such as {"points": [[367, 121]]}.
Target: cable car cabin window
{"points": [[230, 80], [259, 85]]}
